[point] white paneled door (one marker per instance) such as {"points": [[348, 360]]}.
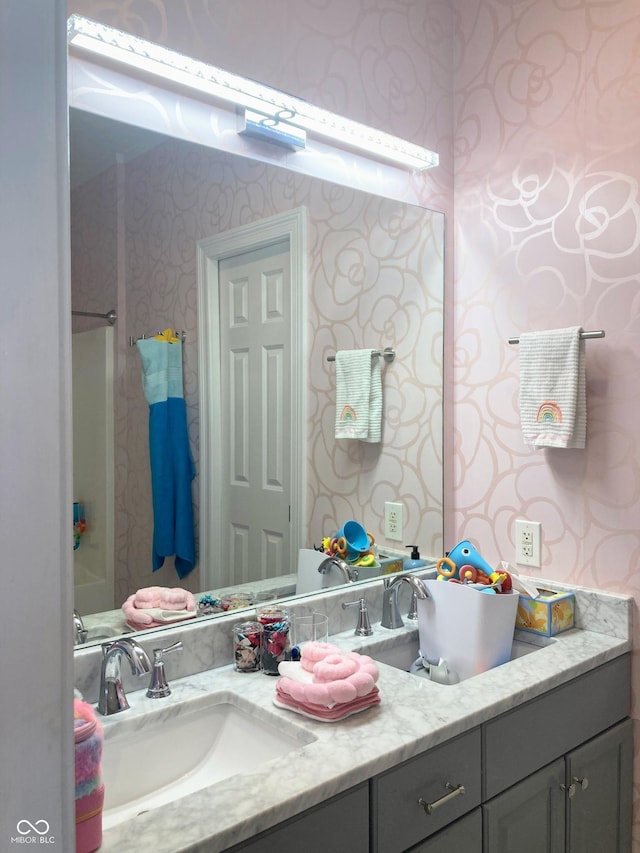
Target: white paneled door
{"points": [[255, 370]]}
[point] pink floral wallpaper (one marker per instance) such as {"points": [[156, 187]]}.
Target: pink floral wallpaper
{"points": [[547, 144], [534, 107]]}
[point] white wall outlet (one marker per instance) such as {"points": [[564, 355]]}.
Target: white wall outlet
{"points": [[528, 535], [393, 520]]}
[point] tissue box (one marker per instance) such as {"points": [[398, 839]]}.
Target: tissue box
{"points": [[549, 614]]}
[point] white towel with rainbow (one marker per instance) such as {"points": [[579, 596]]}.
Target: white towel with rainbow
{"points": [[553, 410], [358, 395]]}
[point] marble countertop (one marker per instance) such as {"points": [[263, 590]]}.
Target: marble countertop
{"points": [[414, 715]]}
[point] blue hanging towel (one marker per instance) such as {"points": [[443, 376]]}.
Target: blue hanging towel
{"points": [[172, 468]]}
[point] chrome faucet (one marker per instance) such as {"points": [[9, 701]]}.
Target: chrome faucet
{"points": [[349, 573], [79, 631], [391, 617], [112, 698]]}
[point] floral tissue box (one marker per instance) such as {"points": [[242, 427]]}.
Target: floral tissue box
{"points": [[549, 614]]}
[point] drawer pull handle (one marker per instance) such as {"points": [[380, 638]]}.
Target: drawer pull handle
{"points": [[454, 791]]}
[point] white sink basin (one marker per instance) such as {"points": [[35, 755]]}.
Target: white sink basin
{"points": [[173, 751], [402, 650]]}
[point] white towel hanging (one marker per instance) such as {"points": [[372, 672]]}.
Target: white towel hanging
{"points": [[553, 411], [358, 396]]}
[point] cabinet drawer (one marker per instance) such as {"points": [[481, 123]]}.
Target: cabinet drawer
{"points": [[523, 740], [341, 823], [398, 820], [462, 836]]}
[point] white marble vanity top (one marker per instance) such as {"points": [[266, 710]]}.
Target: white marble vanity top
{"points": [[414, 715]]}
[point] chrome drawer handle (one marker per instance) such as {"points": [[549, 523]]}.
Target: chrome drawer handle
{"points": [[454, 791]]}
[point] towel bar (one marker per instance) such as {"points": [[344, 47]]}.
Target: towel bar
{"points": [[388, 353], [110, 316], [132, 340], [598, 333]]}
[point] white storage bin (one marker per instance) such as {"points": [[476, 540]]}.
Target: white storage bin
{"points": [[471, 630]]}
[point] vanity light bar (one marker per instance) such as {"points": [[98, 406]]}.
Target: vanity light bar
{"points": [[124, 49]]}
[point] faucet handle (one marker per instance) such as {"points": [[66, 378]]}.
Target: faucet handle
{"points": [[363, 626], [158, 687], [158, 654]]}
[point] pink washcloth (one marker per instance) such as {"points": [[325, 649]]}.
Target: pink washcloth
{"points": [[157, 599]]}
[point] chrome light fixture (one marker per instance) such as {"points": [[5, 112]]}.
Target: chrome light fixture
{"points": [[267, 113]]}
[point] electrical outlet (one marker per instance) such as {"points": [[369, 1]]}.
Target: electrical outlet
{"points": [[393, 521], [528, 535]]}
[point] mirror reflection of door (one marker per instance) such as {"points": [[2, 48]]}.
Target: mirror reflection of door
{"points": [[255, 366]]}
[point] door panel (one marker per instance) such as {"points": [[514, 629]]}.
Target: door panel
{"points": [[530, 816], [599, 815], [255, 362]]}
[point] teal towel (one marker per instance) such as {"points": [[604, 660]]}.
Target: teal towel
{"points": [[172, 468]]}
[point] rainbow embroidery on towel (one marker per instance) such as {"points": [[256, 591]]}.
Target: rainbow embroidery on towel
{"points": [[348, 413], [549, 412]]}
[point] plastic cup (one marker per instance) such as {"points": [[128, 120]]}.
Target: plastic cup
{"points": [[311, 628]]}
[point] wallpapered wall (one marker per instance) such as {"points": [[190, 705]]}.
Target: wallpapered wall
{"points": [[547, 235], [544, 132], [374, 279]]}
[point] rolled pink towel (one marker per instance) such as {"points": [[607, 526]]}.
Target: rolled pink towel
{"points": [[165, 598], [337, 679], [156, 598], [315, 651]]}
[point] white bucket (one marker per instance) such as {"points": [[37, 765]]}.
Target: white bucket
{"points": [[471, 630]]}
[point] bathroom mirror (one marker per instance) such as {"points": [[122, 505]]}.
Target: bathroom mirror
{"points": [[140, 204]]}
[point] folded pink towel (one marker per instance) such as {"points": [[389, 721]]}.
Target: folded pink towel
{"points": [[316, 712], [158, 599], [337, 679]]}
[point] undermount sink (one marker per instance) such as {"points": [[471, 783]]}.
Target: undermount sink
{"points": [[179, 749], [402, 651]]}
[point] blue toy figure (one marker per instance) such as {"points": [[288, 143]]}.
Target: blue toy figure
{"points": [[464, 554]]}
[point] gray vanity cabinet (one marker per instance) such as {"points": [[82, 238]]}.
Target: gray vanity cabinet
{"points": [[578, 804], [340, 824]]}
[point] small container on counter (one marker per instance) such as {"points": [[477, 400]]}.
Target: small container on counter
{"points": [[247, 647], [237, 600], [276, 647]]}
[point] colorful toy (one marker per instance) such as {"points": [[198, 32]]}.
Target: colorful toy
{"points": [[465, 565]]}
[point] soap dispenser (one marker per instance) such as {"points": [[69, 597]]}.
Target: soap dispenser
{"points": [[414, 561]]}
